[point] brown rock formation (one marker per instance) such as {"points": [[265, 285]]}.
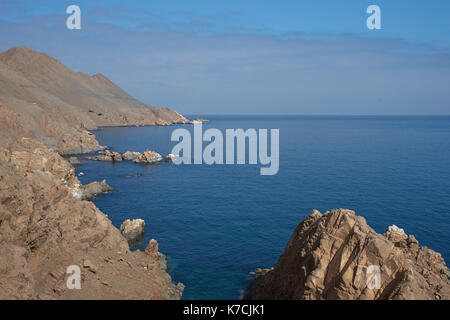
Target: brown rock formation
{"points": [[107, 156], [336, 256], [133, 230], [130, 156], [41, 98], [45, 228], [92, 190], [149, 157]]}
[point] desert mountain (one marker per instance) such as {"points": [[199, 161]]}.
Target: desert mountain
{"points": [[43, 99]]}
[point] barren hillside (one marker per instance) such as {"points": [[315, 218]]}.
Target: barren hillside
{"points": [[41, 98], [45, 226]]}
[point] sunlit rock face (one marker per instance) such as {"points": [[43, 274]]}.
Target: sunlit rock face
{"points": [[338, 256]]}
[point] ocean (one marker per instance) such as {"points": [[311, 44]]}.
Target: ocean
{"points": [[217, 223]]}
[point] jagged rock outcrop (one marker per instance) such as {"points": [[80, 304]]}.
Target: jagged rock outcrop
{"points": [[45, 228], [107, 156], [338, 256], [149, 157], [92, 190], [133, 230], [130, 155]]}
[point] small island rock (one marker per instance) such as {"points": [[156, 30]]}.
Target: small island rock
{"points": [[94, 189], [133, 230], [130, 156], [149, 157]]}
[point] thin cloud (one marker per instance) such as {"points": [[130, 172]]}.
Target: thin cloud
{"points": [[226, 73]]}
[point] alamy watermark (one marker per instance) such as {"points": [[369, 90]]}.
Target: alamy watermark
{"points": [[371, 275], [74, 20], [374, 20], [74, 280], [236, 140]]}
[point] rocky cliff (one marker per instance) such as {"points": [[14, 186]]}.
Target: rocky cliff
{"points": [[41, 98], [45, 224], [45, 227], [336, 255]]}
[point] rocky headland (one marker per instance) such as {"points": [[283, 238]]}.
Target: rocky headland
{"points": [[40, 98], [337, 256], [46, 221], [48, 224], [147, 157]]}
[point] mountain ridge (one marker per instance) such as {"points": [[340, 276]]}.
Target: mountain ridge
{"points": [[58, 106]]}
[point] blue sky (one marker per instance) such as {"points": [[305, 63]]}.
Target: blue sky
{"points": [[251, 57]]}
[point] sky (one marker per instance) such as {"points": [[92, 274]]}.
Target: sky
{"points": [[251, 57]]}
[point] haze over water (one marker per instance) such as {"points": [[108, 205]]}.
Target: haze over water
{"points": [[218, 223]]}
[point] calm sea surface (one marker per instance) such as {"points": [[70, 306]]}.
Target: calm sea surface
{"points": [[217, 223]]}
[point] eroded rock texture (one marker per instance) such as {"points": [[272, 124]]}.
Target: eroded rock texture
{"points": [[45, 228], [334, 256], [45, 224]]}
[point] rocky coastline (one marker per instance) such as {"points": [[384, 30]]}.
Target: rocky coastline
{"points": [[147, 157], [47, 221], [338, 256]]}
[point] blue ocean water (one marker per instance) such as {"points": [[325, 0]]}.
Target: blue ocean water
{"points": [[217, 223]]}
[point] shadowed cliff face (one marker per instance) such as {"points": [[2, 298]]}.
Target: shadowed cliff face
{"points": [[330, 256], [41, 98]]}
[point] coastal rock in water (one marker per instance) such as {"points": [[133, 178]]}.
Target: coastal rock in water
{"points": [[149, 157], [133, 230], [116, 157], [171, 157], [338, 256], [91, 191], [130, 156], [107, 156], [44, 228]]}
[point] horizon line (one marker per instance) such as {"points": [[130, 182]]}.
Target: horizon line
{"points": [[319, 115]]}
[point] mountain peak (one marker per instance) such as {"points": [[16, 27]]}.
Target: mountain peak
{"points": [[21, 50], [30, 63]]}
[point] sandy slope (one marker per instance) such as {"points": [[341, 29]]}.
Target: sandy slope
{"points": [[41, 98]]}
